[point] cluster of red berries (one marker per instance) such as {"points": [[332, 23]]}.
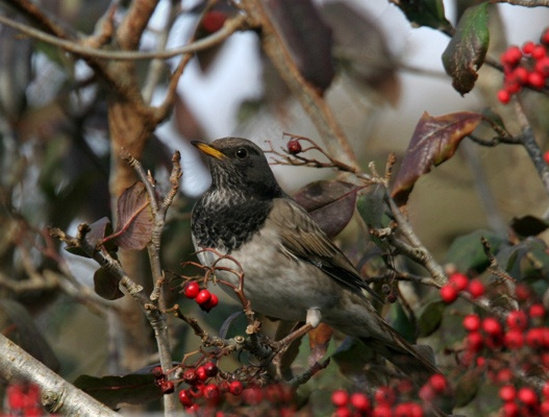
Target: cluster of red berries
{"points": [[23, 400], [521, 328], [385, 401], [161, 381], [525, 67], [207, 391], [204, 298], [457, 283], [524, 401]]}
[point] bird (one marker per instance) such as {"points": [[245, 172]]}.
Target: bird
{"points": [[291, 270]]}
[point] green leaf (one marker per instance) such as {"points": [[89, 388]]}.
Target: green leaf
{"points": [[402, 323], [467, 388], [466, 252], [465, 53], [425, 13], [528, 225], [430, 318]]}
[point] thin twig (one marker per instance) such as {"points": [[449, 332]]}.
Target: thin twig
{"points": [[231, 25]]}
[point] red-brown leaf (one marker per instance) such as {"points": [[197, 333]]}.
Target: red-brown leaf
{"points": [[434, 141], [135, 220]]}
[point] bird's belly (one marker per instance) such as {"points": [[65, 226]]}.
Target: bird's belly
{"points": [[276, 284]]}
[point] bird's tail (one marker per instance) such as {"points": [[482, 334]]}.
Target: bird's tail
{"points": [[417, 362]]}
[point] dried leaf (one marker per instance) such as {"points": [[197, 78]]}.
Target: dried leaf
{"points": [[428, 13], [434, 141], [465, 53], [319, 339], [106, 284], [528, 225], [307, 38], [95, 236], [135, 220], [330, 203], [362, 51], [467, 388], [113, 391]]}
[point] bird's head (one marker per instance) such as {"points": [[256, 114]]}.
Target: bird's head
{"points": [[240, 166]]}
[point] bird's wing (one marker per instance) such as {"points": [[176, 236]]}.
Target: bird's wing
{"points": [[302, 237]]}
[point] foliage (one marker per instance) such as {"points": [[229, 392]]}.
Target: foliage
{"points": [[79, 156]]}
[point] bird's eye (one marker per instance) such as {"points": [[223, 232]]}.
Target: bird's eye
{"points": [[241, 153]]}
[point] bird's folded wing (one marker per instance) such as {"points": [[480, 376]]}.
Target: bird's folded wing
{"points": [[303, 238]]}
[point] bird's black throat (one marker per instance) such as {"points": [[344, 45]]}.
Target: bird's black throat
{"points": [[227, 225]]}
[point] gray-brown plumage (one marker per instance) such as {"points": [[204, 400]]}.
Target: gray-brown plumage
{"points": [[292, 270]]}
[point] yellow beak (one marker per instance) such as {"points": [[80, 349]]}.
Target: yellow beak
{"points": [[208, 150]]}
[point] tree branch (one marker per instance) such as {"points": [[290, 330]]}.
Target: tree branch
{"points": [[58, 396]]}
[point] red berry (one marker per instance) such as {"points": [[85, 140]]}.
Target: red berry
{"points": [[190, 376], [439, 383], [471, 322], [235, 387], [542, 66], [426, 393], [491, 326], [201, 373], [459, 281], [252, 395], [192, 409], [545, 390], [476, 288], [535, 338], [544, 39], [519, 75], [340, 398], [185, 398], [544, 409], [514, 339], [511, 56], [343, 412], [504, 97], [382, 410], [517, 319], [527, 396], [385, 395], [167, 387], [536, 80], [448, 293], [528, 47], [211, 392], [507, 393], [360, 402], [213, 20], [203, 297], [294, 147], [191, 289], [211, 369], [546, 157], [504, 376], [510, 409], [538, 52], [537, 311], [157, 372], [211, 303], [522, 292], [474, 341]]}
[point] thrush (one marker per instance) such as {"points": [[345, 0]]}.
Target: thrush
{"points": [[292, 270]]}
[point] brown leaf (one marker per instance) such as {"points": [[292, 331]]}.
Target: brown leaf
{"points": [[106, 284], [307, 38], [319, 338], [434, 141], [135, 220], [330, 203]]}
